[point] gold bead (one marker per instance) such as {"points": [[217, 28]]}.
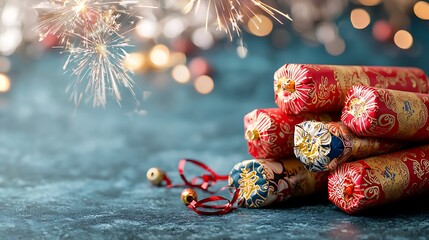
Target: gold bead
{"points": [[155, 176], [188, 195], [252, 134]]}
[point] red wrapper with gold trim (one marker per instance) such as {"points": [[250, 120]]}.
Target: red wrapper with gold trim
{"points": [[302, 88], [263, 182], [323, 146], [378, 180], [387, 113], [269, 132]]}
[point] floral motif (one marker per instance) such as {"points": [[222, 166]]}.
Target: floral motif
{"points": [[292, 101], [312, 144]]}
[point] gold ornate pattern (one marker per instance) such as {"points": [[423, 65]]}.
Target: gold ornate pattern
{"points": [[247, 183], [312, 143], [326, 93], [411, 112], [393, 175], [347, 76]]}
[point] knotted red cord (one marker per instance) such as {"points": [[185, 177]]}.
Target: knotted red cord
{"points": [[203, 182], [207, 180], [224, 208]]}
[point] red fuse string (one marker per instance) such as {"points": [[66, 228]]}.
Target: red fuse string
{"points": [[203, 182], [223, 209]]}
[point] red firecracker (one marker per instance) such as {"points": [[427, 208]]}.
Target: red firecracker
{"points": [[302, 88], [378, 180], [387, 113]]}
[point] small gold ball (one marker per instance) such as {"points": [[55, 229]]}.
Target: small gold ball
{"points": [[188, 195], [155, 176]]}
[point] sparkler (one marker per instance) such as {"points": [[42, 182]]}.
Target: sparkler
{"points": [[60, 17], [90, 33], [98, 61], [230, 14]]}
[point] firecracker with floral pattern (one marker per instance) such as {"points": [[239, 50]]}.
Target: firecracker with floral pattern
{"points": [[376, 112], [263, 182], [300, 88], [375, 181], [323, 146]]}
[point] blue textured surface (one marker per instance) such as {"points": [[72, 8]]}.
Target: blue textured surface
{"points": [[67, 175]]}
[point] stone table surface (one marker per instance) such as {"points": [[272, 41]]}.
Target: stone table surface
{"points": [[79, 173]]}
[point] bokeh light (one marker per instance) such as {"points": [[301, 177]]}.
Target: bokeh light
{"points": [[260, 25], [421, 9], [135, 62], [147, 28], [202, 38], [174, 27], [382, 30], [360, 18], [403, 39], [159, 55], [204, 84], [4, 83], [199, 66], [370, 2], [181, 74], [326, 32], [242, 51], [335, 47]]}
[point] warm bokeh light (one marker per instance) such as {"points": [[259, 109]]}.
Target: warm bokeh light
{"points": [[147, 28], [4, 83], [204, 84], [181, 74], [360, 18], [403, 39], [260, 25], [335, 47], [382, 31], [421, 9], [370, 2], [176, 58], [159, 55], [135, 62]]}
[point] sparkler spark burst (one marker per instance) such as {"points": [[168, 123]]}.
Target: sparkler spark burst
{"points": [[231, 14], [98, 61], [60, 17], [90, 32]]}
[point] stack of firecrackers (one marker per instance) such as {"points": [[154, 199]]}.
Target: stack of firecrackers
{"points": [[376, 154]]}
